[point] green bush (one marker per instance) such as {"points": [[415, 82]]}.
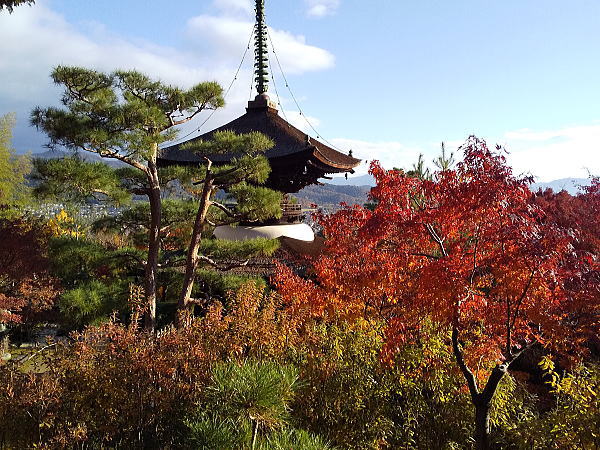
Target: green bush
{"points": [[92, 302], [212, 284], [247, 405]]}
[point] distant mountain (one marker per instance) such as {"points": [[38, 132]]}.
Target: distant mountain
{"points": [[330, 194], [571, 185], [334, 192], [86, 156]]}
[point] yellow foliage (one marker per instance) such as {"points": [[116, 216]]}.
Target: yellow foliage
{"points": [[64, 225]]}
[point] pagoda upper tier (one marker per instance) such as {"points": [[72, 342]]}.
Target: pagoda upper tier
{"points": [[296, 160]]}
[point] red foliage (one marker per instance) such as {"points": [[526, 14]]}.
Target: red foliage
{"points": [[579, 216], [467, 249], [27, 290]]}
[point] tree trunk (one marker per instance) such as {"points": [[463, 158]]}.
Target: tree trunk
{"points": [[481, 400], [153, 245], [192, 256], [482, 425]]}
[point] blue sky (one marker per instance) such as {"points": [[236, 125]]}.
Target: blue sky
{"points": [[388, 79]]}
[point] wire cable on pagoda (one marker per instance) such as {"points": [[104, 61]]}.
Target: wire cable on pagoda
{"points": [[287, 85], [237, 72], [251, 88], [277, 92]]}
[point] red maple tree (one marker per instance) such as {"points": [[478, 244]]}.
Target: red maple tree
{"points": [[27, 290], [466, 249]]}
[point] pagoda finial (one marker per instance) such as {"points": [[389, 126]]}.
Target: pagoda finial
{"points": [[261, 51]]}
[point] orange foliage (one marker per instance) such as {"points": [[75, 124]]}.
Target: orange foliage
{"points": [[115, 385]]}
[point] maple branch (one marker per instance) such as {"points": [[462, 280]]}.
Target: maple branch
{"points": [[460, 360], [474, 256], [497, 373], [522, 297], [437, 239], [508, 327]]}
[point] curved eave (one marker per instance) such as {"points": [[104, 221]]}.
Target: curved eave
{"points": [[338, 165], [289, 142]]}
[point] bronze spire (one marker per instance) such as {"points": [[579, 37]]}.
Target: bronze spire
{"points": [[261, 51]]}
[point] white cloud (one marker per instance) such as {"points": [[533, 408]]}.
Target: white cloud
{"points": [[227, 36], [301, 122], [25, 67], [546, 154], [389, 153], [572, 151], [321, 8]]}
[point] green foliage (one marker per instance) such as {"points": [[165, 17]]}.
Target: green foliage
{"points": [[136, 217], [252, 393], [124, 113], [76, 261], [345, 393], [574, 420], [209, 432], [249, 248], [418, 402], [247, 406], [75, 180], [230, 143], [291, 438], [96, 279], [92, 302], [444, 161], [219, 285], [256, 203], [13, 168]]}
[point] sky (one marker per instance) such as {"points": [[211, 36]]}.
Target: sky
{"points": [[387, 79]]}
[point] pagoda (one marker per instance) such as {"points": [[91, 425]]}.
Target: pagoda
{"points": [[297, 160]]}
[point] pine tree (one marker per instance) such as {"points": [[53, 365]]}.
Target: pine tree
{"points": [[241, 179], [125, 116]]}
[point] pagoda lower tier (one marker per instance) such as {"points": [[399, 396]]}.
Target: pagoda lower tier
{"points": [[296, 160]]}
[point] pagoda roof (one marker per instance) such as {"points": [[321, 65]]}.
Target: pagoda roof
{"points": [[290, 142]]}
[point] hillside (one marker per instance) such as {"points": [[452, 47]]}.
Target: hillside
{"points": [[329, 194]]}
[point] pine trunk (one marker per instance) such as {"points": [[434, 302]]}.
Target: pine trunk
{"points": [[192, 255], [153, 245]]}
